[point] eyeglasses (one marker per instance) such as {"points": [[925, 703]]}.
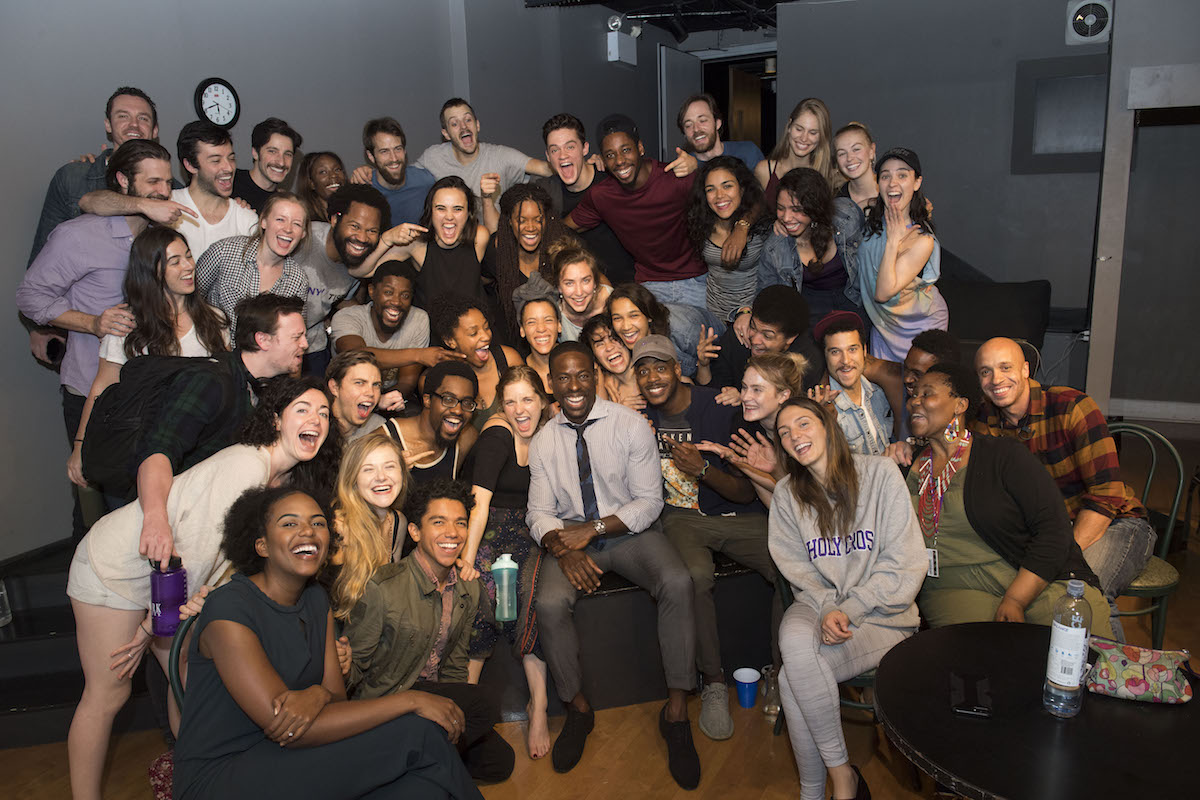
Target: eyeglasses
{"points": [[450, 401]]}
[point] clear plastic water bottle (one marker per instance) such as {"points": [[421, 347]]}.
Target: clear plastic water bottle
{"points": [[504, 573], [1062, 695], [168, 591]]}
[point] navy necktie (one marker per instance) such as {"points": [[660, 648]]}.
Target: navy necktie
{"points": [[591, 510]]}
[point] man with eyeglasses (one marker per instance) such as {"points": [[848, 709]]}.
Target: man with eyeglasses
{"points": [[437, 440], [1066, 430], [778, 324], [390, 329]]}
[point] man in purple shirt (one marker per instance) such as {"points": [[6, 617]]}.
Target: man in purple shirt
{"points": [[77, 280]]}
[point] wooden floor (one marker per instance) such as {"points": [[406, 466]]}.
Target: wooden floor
{"points": [[625, 756]]}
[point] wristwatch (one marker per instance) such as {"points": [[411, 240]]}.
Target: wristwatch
{"points": [[600, 527]]}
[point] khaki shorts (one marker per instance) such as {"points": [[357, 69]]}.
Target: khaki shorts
{"points": [[85, 586]]}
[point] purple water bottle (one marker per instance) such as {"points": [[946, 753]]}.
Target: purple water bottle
{"points": [[168, 591]]}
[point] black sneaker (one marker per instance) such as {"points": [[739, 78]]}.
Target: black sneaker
{"points": [[568, 747], [682, 758]]}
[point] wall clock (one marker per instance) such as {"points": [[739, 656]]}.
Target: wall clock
{"points": [[217, 101]]}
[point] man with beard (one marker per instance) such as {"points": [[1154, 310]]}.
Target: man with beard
{"points": [[77, 280], [567, 154], [436, 441], [710, 508], [206, 153], [339, 252], [863, 411], [595, 495], [390, 329], [700, 122], [273, 145], [404, 186]]}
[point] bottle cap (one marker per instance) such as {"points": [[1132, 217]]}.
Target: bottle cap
{"points": [[1075, 588], [173, 564], [504, 562]]}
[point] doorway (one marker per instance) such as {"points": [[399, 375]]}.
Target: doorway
{"points": [[745, 90]]}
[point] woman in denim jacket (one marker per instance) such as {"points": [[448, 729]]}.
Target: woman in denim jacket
{"points": [[815, 246]]}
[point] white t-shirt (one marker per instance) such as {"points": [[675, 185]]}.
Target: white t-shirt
{"points": [[356, 321], [112, 347], [200, 234], [508, 163], [328, 283]]}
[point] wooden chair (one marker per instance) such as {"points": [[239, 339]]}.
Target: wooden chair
{"points": [[1158, 579]]}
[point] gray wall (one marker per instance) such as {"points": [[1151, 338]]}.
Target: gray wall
{"points": [[342, 65], [937, 77]]}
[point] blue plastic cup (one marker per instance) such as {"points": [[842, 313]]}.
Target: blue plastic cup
{"points": [[746, 679]]}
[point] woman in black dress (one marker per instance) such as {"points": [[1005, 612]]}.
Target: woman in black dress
{"points": [[264, 682], [499, 470]]}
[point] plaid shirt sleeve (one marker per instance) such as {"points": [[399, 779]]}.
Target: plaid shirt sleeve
{"points": [[188, 407], [1095, 461]]}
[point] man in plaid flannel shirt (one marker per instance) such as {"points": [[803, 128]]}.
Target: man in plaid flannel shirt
{"points": [[1065, 429]]}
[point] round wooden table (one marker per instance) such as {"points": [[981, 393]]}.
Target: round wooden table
{"points": [[1113, 748]]}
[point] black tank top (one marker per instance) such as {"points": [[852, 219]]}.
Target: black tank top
{"points": [[456, 270]]}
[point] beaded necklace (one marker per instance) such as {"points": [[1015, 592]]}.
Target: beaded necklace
{"points": [[933, 489]]}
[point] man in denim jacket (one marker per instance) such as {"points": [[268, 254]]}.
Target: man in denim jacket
{"points": [[863, 411]]}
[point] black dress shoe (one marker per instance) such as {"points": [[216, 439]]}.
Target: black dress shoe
{"points": [[568, 747], [682, 758]]}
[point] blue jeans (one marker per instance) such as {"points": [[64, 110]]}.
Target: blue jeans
{"points": [[686, 299], [1118, 557]]}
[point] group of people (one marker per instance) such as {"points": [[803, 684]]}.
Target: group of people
{"points": [[378, 386]]}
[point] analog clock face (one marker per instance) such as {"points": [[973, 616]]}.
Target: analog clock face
{"points": [[218, 104]]}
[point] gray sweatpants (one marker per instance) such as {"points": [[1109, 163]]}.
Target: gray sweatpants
{"points": [[647, 559], [809, 688]]}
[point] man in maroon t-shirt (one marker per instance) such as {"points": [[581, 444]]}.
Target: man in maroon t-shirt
{"points": [[646, 206]]}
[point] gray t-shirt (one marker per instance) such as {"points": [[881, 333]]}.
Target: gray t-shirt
{"points": [[505, 161], [373, 423], [356, 321], [328, 284]]}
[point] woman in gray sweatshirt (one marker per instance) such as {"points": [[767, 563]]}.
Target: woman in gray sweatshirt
{"points": [[844, 535]]}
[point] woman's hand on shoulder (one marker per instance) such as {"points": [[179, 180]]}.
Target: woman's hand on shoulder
{"points": [[900, 452], [195, 603], [344, 655]]}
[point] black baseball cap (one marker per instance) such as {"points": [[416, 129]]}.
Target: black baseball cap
{"points": [[903, 154]]}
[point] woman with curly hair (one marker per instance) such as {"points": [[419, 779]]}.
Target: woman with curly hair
{"points": [[617, 381], [172, 319], [265, 682], [460, 323], [321, 174], [806, 141], [286, 441], [529, 235], [817, 252], [723, 193]]}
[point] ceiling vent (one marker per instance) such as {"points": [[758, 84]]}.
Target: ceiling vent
{"points": [[1089, 21]]}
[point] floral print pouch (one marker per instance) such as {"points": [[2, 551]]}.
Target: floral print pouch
{"points": [[1139, 673]]}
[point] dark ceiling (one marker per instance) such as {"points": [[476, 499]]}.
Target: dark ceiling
{"points": [[682, 17]]}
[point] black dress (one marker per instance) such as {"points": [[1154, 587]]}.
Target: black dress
{"points": [[492, 465], [222, 753], [445, 271]]}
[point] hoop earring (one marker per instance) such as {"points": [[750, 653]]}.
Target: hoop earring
{"points": [[953, 430]]}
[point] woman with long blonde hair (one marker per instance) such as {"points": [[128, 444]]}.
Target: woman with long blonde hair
{"points": [[806, 141], [372, 485]]}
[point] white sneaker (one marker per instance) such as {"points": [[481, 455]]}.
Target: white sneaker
{"points": [[715, 721]]}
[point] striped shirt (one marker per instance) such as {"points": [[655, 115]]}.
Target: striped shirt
{"points": [[626, 472], [1065, 429], [228, 273]]}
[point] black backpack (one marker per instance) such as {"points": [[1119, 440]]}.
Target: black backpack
{"points": [[124, 410]]}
